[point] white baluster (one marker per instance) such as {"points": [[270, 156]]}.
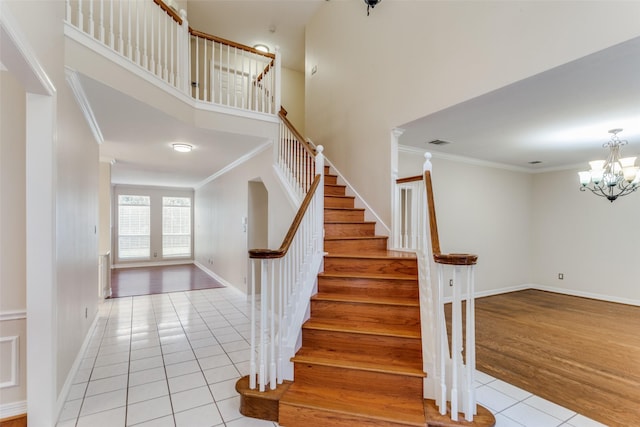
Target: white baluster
{"points": [[184, 53], [281, 319], [471, 344], [262, 375], [102, 21], [252, 361], [205, 73], [212, 67], [111, 35], [272, 313], [129, 45], [145, 54], [277, 86], [235, 76], [121, 29], [158, 70], [172, 74], [80, 16], [228, 67], [68, 11], [165, 64], [443, 346], [137, 55], [152, 52], [244, 56], [91, 21], [220, 68]]}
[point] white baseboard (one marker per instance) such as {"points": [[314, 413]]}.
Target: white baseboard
{"points": [[214, 275], [13, 409], [152, 264], [62, 397], [503, 290], [590, 295]]}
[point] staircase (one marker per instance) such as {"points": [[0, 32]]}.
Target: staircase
{"points": [[360, 363]]}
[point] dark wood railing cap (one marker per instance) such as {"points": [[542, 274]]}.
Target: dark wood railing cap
{"points": [[455, 259]]}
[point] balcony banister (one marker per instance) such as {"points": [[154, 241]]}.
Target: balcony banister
{"points": [[229, 42], [283, 116], [293, 228]]}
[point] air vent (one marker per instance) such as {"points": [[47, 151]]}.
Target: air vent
{"points": [[535, 162], [438, 142]]}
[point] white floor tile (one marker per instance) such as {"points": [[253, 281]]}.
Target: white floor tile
{"points": [[530, 416], [214, 361], [220, 374], [186, 382], [158, 422], [250, 422], [70, 410], [147, 391], [202, 416], [236, 346], [510, 390], [224, 390], [180, 356], [182, 368], [103, 402], [110, 418], [483, 378], [144, 353], [493, 399], [502, 421], [239, 356], [191, 398], [144, 364], [76, 391], [109, 371], [212, 350], [550, 408], [148, 410], [105, 385], [147, 376], [229, 408], [582, 421]]}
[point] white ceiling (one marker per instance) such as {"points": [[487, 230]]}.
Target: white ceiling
{"points": [[560, 117], [139, 138]]}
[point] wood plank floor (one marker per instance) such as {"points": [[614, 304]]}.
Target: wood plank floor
{"points": [[580, 353], [127, 282]]}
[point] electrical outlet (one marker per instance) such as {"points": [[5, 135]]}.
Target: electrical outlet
{"points": [[561, 276], [450, 282]]}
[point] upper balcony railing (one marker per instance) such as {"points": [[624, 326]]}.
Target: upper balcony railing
{"points": [[210, 69]]}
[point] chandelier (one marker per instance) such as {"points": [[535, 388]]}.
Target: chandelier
{"points": [[614, 177]]}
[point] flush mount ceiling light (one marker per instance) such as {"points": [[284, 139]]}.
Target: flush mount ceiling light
{"points": [[182, 148], [613, 177], [371, 4], [261, 47]]}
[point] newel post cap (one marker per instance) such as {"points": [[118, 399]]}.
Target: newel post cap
{"points": [[427, 162], [319, 149]]}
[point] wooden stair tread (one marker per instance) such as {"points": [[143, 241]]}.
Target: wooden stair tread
{"points": [[366, 299], [375, 254], [364, 328], [339, 197], [354, 237], [344, 209], [388, 408], [364, 276], [349, 222], [355, 361]]}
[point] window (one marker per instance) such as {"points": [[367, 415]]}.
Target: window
{"points": [[176, 227], [134, 237]]}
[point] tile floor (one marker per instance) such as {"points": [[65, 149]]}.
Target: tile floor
{"points": [[173, 360]]}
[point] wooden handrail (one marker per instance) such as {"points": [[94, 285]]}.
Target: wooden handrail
{"points": [[438, 257], [286, 243], [283, 116], [200, 34], [409, 179], [172, 13]]}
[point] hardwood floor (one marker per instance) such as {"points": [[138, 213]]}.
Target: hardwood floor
{"points": [[580, 353], [157, 280]]}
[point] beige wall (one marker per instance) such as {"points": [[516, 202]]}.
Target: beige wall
{"points": [[593, 242], [13, 302], [293, 97], [220, 239], [412, 58]]}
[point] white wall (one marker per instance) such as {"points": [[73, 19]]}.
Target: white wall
{"points": [[412, 58], [593, 242], [13, 304], [220, 239]]}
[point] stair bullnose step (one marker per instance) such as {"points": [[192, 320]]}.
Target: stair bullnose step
{"points": [[344, 408]]}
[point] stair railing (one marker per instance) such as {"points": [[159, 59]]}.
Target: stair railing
{"points": [[283, 280], [159, 40], [450, 372]]}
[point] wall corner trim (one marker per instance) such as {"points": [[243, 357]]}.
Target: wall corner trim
{"points": [[79, 94]]}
